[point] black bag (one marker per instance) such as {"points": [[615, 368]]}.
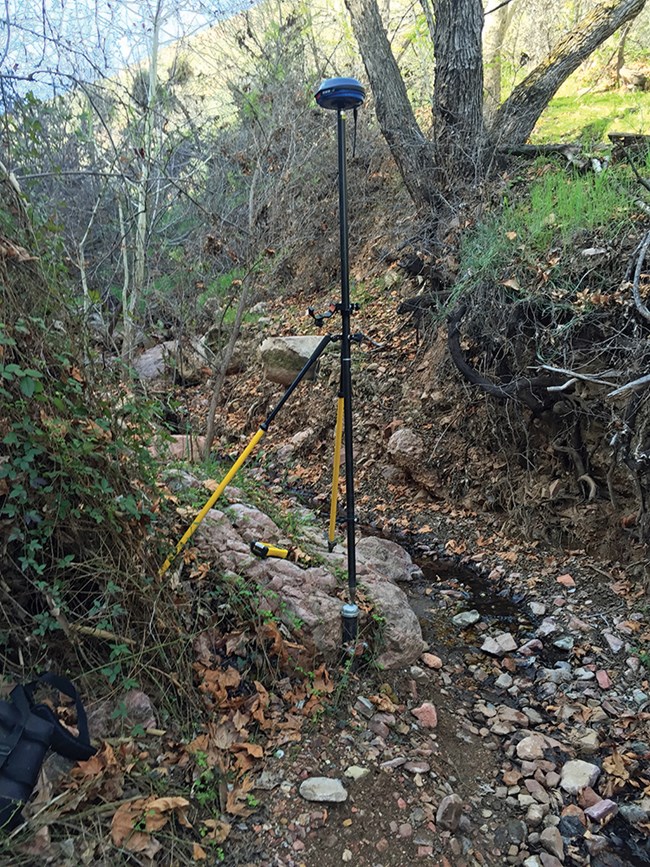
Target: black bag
{"points": [[27, 731]]}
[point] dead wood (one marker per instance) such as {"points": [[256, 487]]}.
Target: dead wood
{"points": [[570, 150]]}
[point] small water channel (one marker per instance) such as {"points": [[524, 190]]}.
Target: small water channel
{"points": [[448, 588]]}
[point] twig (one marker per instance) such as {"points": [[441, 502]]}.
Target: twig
{"points": [[642, 380], [641, 180], [640, 306], [496, 8], [564, 387], [100, 633], [587, 377]]}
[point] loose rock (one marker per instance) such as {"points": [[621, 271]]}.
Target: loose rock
{"points": [[323, 789], [449, 812], [577, 775]]}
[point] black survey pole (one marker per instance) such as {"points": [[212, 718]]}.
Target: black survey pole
{"points": [[346, 361], [341, 94]]}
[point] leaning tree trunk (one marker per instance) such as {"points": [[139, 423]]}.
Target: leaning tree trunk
{"points": [[408, 146], [458, 91], [518, 115]]}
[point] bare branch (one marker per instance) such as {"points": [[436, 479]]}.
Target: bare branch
{"points": [[643, 249], [587, 377], [636, 383], [496, 8]]}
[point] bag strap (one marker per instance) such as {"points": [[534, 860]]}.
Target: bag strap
{"points": [[8, 743], [63, 741]]}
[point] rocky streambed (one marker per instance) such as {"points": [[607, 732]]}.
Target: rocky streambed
{"points": [[503, 720], [505, 743]]}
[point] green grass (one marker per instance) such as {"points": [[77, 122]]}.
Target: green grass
{"points": [[589, 117], [540, 220]]}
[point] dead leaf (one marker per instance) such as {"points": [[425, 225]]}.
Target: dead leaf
{"points": [[158, 811], [134, 822], [268, 631], [240, 721], [254, 750], [631, 625], [383, 703], [219, 830], [199, 853], [237, 800], [216, 683], [615, 765], [321, 681], [123, 827]]}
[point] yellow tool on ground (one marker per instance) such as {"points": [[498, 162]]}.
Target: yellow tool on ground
{"points": [[266, 549]]}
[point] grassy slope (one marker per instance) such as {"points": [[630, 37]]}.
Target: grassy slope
{"points": [[589, 117]]}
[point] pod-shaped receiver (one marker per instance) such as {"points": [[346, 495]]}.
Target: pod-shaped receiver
{"points": [[340, 93]]}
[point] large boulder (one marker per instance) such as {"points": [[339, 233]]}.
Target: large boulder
{"points": [[406, 449], [401, 641], [184, 361], [284, 357], [380, 564], [151, 363], [387, 558], [312, 597]]}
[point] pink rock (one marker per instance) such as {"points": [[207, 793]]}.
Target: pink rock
{"points": [[602, 810], [566, 580], [531, 647], [604, 681], [574, 810], [431, 660], [426, 714]]}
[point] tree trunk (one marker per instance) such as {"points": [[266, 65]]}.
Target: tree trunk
{"points": [[458, 92], [494, 32], [518, 115], [142, 219], [408, 146]]}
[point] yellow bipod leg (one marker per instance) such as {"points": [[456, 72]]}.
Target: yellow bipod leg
{"points": [[213, 499], [338, 438]]}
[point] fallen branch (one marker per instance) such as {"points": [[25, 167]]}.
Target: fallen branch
{"points": [[570, 151]]}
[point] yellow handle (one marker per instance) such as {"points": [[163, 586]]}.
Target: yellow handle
{"points": [[232, 472], [338, 437]]}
